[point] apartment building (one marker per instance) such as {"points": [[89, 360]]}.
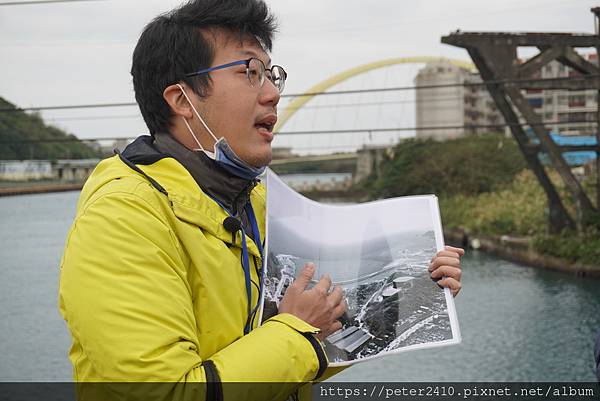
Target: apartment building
{"points": [[568, 113], [450, 109], [453, 111]]}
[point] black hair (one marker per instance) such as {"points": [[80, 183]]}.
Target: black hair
{"points": [[175, 44]]}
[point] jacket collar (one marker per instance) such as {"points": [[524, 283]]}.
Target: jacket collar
{"points": [[231, 191], [183, 183]]}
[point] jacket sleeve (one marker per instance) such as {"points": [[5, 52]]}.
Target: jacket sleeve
{"points": [[126, 300]]}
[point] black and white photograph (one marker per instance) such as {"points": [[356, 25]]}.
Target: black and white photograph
{"points": [[378, 253]]}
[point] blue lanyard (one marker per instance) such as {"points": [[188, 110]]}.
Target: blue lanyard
{"points": [[258, 242], [246, 261]]}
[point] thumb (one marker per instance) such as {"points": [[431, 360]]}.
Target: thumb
{"points": [[305, 276]]}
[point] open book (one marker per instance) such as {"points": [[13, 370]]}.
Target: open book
{"points": [[378, 252]]}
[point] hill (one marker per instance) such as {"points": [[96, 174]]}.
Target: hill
{"points": [[485, 188], [26, 136], [469, 165]]}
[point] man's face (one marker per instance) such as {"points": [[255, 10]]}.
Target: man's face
{"points": [[233, 108]]}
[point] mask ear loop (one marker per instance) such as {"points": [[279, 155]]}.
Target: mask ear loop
{"points": [[193, 136], [199, 118]]}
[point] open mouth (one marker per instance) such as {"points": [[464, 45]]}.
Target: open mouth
{"points": [[267, 126], [267, 122]]}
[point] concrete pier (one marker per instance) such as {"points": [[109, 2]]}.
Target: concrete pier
{"points": [[40, 188]]}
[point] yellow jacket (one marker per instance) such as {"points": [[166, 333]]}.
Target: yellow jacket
{"points": [[152, 290]]}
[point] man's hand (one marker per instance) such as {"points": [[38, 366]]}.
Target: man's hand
{"points": [[445, 268], [317, 306]]}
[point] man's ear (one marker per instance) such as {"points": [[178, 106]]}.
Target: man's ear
{"points": [[177, 101]]}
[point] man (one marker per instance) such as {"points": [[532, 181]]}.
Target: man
{"points": [[160, 275]]}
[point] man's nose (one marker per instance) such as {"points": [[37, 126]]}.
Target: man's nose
{"points": [[269, 93]]}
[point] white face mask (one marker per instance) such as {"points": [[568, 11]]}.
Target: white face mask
{"points": [[223, 153]]}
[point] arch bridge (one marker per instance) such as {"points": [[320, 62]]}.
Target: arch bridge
{"points": [[365, 161]]}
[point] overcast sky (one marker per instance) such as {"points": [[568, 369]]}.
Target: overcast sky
{"points": [[80, 53]]}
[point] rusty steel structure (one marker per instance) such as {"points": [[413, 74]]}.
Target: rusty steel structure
{"points": [[505, 76]]}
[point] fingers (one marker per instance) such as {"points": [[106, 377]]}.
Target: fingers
{"points": [[450, 254], [340, 309], [336, 326], [447, 271], [304, 277], [445, 268], [443, 260], [460, 251], [452, 284], [336, 296], [323, 285]]}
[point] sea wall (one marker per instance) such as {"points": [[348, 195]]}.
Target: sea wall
{"points": [[39, 188], [518, 249]]}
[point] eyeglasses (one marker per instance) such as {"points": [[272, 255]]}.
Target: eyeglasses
{"points": [[255, 71]]}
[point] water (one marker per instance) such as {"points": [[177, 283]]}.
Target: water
{"points": [[34, 336], [517, 323]]}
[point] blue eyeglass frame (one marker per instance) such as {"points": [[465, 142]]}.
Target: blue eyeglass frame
{"points": [[240, 62], [220, 67]]}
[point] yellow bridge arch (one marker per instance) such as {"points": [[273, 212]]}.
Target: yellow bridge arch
{"points": [[299, 101]]}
